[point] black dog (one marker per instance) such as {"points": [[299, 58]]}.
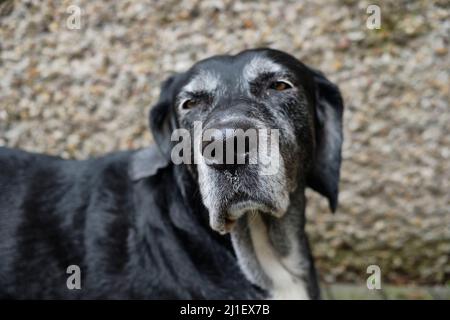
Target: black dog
{"points": [[139, 226]]}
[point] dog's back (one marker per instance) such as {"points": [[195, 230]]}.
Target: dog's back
{"points": [[130, 232], [43, 211]]}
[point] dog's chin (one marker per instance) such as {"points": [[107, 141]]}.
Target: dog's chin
{"points": [[224, 220]]}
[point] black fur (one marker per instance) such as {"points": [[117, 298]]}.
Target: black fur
{"points": [[132, 239]]}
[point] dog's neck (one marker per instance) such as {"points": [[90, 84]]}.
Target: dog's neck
{"points": [[274, 254]]}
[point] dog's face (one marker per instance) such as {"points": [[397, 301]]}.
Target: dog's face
{"points": [[287, 116]]}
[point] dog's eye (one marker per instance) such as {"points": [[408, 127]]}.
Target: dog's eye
{"points": [[189, 104], [281, 85]]}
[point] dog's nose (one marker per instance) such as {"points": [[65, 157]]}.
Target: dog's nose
{"points": [[229, 147]]}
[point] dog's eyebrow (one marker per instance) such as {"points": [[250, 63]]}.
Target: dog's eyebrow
{"points": [[203, 81], [258, 66]]}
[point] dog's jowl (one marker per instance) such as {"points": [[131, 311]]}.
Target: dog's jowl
{"points": [[214, 223]]}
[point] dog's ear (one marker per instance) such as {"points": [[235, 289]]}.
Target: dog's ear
{"points": [[329, 108], [162, 117]]}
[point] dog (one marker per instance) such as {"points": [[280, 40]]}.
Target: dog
{"points": [[138, 226]]}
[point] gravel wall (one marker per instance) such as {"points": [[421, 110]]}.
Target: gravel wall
{"points": [[79, 93]]}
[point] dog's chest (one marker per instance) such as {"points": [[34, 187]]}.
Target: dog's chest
{"points": [[282, 271]]}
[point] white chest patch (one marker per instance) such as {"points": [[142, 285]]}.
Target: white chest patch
{"points": [[286, 285]]}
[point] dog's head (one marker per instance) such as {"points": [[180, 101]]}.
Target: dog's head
{"points": [[252, 128]]}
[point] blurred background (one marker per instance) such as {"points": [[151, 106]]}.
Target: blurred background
{"points": [[87, 91]]}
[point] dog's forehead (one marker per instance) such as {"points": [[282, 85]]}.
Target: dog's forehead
{"points": [[219, 72], [203, 79], [260, 65]]}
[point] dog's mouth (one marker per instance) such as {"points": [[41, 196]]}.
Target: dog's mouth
{"points": [[238, 209]]}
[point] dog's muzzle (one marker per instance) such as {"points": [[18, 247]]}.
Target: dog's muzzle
{"points": [[230, 150], [229, 145]]}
